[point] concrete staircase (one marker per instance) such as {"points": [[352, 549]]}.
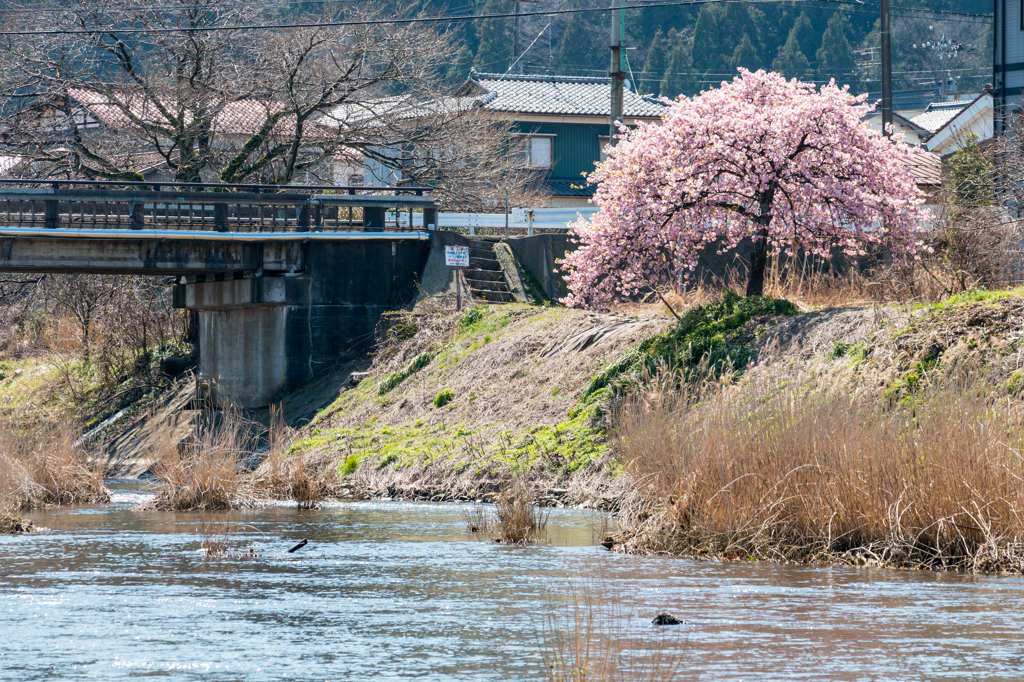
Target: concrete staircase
{"points": [[484, 275]]}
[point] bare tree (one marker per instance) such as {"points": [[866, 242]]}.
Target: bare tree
{"points": [[213, 102]]}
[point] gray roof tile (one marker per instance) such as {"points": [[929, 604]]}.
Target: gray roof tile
{"points": [[563, 95]]}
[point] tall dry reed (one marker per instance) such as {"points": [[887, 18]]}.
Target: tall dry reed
{"points": [[44, 469], [812, 471], [586, 639], [204, 471], [518, 519]]}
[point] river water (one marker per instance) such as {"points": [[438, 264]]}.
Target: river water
{"points": [[397, 591]]}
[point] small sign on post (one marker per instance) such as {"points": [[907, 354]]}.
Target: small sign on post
{"points": [[457, 257]]}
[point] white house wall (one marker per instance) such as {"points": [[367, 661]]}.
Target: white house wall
{"points": [[1008, 54]]}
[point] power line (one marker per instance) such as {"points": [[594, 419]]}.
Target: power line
{"points": [[422, 20]]}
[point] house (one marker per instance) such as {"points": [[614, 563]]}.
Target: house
{"points": [[562, 123], [913, 133], [953, 124], [1008, 58], [114, 121]]}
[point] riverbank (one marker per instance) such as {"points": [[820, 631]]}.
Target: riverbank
{"points": [[887, 435], [455, 405]]}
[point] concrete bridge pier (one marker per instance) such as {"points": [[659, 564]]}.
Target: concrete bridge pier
{"points": [[261, 335]]}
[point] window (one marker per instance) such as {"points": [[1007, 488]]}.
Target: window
{"points": [[535, 151], [603, 140]]}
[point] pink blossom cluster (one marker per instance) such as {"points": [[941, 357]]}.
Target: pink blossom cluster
{"points": [[759, 157]]}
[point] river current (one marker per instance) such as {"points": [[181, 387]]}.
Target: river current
{"points": [[398, 591]]}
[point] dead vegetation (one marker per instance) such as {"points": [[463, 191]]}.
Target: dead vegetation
{"points": [[204, 471], [586, 638], [44, 470], [518, 520], [808, 469]]}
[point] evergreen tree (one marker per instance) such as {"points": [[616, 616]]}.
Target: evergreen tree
{"points": [[807, 38], [679, 78], [835, 57], [737, 21], [655, 65], [459, 70], [971, 175], [576, 50], [745, 55], [791, 61], [707, 48], [495, 40]]}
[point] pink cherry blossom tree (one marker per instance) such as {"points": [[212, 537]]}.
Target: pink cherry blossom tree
{"points": [[781, 162]]}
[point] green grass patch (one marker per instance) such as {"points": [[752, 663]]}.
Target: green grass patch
{"points": [[391, 381], [443, 397], [708, 340], [977, 296]]}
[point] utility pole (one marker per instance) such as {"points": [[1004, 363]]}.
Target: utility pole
{"points": [[617, 71], [886, 70], [515, 41]]}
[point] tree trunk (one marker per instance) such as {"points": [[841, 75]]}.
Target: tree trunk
{"points": [[758, 263]]}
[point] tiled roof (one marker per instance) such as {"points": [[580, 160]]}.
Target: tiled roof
{"points": [[938, 114], [926, 168], [567, 188], [564, 95], [904, 100], [242, 117]]}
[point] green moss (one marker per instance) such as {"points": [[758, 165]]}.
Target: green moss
{"points": [[348, 465], [708, 340], [443, 397], [391, 381]]}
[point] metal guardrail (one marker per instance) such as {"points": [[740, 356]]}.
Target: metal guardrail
{"points": [[78, 205]]}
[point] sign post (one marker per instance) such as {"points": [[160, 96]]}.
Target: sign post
{"points": [[457, 257]]}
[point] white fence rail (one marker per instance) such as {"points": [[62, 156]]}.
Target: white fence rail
{"points": [[519, 220]]}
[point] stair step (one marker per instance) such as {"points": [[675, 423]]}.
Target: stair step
{"points": [[484, 263], [494, 296], [488, 286], [480, 252], [484, 275]]}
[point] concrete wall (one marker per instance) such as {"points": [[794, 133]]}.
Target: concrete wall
{"points": [[540, 254], [261, 338]]}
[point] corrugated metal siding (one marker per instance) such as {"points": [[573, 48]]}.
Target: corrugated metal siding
{"points": [[575, 149]]}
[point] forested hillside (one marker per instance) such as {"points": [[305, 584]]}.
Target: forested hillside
{"points": [[686, 48], [689, 47]]}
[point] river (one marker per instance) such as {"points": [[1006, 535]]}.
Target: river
{"points": [[397, 591]]}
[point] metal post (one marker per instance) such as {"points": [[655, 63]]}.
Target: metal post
{"points": [[506, 213], [617, 69], [458, 289], [515, 41], [886, 71]]}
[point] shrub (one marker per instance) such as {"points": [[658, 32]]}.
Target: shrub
{"points": [[517, 518], [443, 397], [348, 465]]}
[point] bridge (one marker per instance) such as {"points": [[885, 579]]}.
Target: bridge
{"points": [[284, 279]]}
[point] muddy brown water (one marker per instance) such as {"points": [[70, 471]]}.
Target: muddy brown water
{"points": [[396, 591]]}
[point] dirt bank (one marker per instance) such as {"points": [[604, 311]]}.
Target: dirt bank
{"points": [[453, 405]]}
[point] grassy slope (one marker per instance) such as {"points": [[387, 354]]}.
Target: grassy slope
{"points": [[482, 396]]}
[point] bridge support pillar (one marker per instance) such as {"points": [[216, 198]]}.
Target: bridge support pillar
{"points": [[260, 338]]}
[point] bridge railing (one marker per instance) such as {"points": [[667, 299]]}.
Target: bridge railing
{"points": [[203, 207]]}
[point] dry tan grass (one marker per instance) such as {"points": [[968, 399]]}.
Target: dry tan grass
{"points": [[585, 640], [45, 469], [517, 518], [204, 471], [805, 469]]}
